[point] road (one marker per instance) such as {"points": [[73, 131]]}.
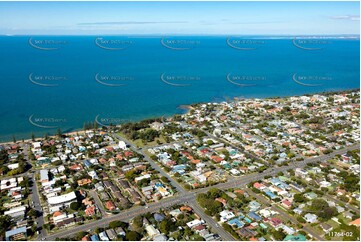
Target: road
{"points": [[248, 154], [124, 216], [189, 196], [155, 166], [99, 204], [211, 222], [215, 227], [35, 197], [347, 205], [37, 206]]}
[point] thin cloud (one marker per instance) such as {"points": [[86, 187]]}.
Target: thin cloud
{"points": [[238, 23], [131, 23], [347, 17]]}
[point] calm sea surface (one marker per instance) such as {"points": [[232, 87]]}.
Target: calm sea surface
{"points": [[52, 82]]}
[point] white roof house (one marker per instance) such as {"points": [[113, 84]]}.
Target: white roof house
{"points": [[146, 176], [122, 145], [8, 183], [194, 223], [62, 199], [13, 166], [310, 218], [37, 145], [103, 236], [44, 175], [15, 210], [226, 215], [151, 230]]}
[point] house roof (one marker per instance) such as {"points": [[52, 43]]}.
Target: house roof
{"points": [[57, 213], [298, 237], [326, 226], [159, 217], [356, 222], [90, 210], [62, 199], [109, 205], [86, 238], [15, 231]]}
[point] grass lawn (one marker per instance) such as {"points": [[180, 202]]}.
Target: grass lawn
{"points": [[140, 143], [333, 224], [318, 230], [341, 217], [122, 135]]}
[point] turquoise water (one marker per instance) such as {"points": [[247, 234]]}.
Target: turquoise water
{"points": [[49, 82]]}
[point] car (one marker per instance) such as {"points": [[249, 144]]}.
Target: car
{"points": [[146, 207]]}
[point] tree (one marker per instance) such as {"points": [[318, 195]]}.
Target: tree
{"points": [[74, 206], [164, 226], [117, 223], [278, 235], [80, 235], [25, 182], [130, 175], [164, 179], [95, 125], [197, 237], [298, 198], [138, 222], [98, 230], [214, 192], [301, 220], [322, 208], [32, 213], [4, 158], [212, 207], [4, 169], [5, 222], [133, 236], [352, 183], [59, 133]]}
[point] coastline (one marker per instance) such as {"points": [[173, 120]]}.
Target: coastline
{"points": [[188, 108]]}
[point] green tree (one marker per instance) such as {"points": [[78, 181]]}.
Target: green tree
{"points": [[299, 198], [164, 179], [74, 206], [116, 224], [32, 213], [133, 236], [5, 222], [59, 133], [4, 157], [164, 226], [278, 235], [138, 222]]}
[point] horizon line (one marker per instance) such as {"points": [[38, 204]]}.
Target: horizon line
{"points": [[189, 34]]}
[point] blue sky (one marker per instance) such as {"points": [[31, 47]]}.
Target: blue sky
{"points": [[203, 18]]}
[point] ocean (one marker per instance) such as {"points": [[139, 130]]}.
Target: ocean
{"points": [[51, 82]]}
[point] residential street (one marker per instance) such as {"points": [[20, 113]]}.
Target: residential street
{"points": [[189, 196], [37, 206], [284, 214]]}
